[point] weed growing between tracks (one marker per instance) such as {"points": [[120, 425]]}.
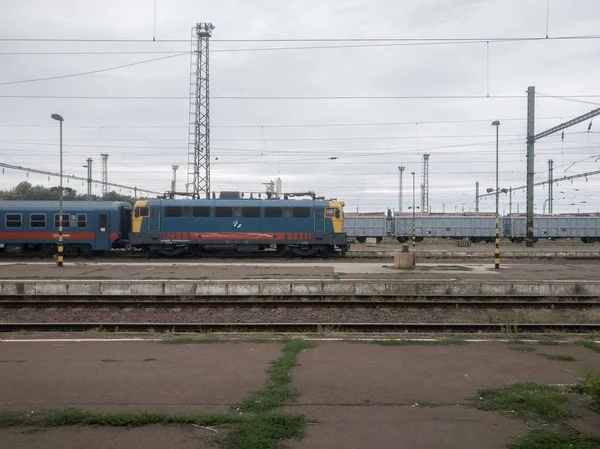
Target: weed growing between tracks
{"points": [[590, 345], [545, 439], [546, 408], [74, 417], [560, 357], [528, 400], [264, 429]]}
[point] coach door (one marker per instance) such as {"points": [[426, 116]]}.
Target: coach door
{"points": [[154, 219], [319, 220], [103, 235]]}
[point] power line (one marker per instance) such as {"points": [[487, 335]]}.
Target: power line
{"points": [[283, 125], [351, 39], [107, 69], [294, 97]]}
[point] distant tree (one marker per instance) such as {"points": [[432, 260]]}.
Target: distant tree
{"points": [[24, 191]]}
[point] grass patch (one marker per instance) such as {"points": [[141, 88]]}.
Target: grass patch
{"points": [[544, 439], [590, 345], [437, 342], [73, 417], [526, 400], [590, 386], [264, 431], [278, 388], [560, 357], [550, 343], [523, 348]]}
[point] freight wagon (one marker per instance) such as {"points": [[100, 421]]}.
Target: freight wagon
{"points": [[478, 228]]}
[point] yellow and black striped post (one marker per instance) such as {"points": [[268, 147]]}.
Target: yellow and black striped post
{"points": [[59, 256], [60, 249], [497, 249]]}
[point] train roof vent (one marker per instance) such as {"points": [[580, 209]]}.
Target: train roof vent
{"points": [[229, 196]]}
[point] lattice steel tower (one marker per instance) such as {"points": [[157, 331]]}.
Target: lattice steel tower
{"points": [[425, 185], [199, 112], [104, 174]]}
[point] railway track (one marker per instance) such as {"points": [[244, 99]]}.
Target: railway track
{"points": [[299, 327], [436, 302]]}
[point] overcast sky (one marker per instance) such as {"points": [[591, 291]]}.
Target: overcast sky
{"points": [[144, 137]]}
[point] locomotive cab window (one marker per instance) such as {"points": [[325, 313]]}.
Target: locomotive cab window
{"points": [[287, 212], [13, 220], [141, 212], [65, 220], [273, 212], [173, 211], [301, 212], [37, 220], [330, 212], [187, 211], [81, 220], [237, 212], [201, 211]]}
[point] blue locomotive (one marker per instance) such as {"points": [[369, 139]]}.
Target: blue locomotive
{"points": [[32, 226], [296, 227]]}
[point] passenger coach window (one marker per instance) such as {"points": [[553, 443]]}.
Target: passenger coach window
{"points": [[223, 212], [301, 212], [65, 221], [251, 212], [187, 211], [201, 211], [272, 212], [81, 220], [37, 220], [172, 211], [13, 220]]}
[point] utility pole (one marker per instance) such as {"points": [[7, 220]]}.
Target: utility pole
{"points": [[89, 176], [400, 170], [477, 196], [531, 138], [174, 182], [530, 163], [550, 186], [425, 185], [414, 221], [199, 112], [510, 200], [104, 174]]}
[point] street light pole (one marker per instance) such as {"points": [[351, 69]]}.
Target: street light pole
{"points": [[414, 238], [60, 252], [496, 123]]}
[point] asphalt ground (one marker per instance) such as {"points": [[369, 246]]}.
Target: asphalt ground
{"points": [[306, 270], [356, 394]]}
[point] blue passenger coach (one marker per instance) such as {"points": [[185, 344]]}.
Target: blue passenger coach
{"points": [[302, 227], [88, 226]]}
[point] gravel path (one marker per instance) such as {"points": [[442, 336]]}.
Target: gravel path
{"points": [[298, 315]]}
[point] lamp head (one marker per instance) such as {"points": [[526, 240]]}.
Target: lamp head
{"points": [[57, 117], [496, 123]]}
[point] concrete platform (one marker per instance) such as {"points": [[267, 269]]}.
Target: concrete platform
{"points": [[150, 437], [359, 374], [303, 278], [135, 375], [359, 395], [450, 427]]}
